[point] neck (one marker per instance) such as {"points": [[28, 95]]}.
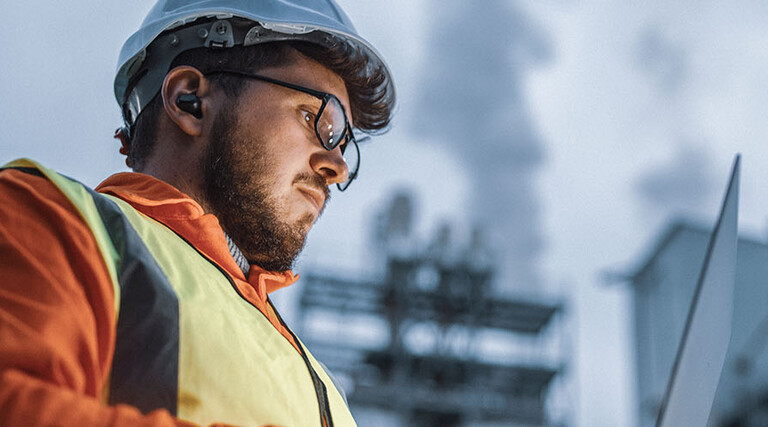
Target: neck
{"points": [[181, 168]]}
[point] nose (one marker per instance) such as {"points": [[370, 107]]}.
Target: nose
{"points": [[330, 165]]}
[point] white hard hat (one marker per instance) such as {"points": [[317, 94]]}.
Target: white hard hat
{"points": [[139, 77]]}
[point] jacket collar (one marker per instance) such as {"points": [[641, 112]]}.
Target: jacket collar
{"points": [[169, 206]]}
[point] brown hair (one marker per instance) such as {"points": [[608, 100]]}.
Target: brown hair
{"points": [[371, 94]]}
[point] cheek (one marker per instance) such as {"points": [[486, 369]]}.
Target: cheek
{"points": [[271, 153]]}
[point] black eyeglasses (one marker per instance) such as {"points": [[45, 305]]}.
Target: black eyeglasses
{"points": [[329, 118]]}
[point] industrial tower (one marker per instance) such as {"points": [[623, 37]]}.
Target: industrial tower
{"points": [[427, 340]]}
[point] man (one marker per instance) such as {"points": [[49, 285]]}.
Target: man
{"points": [[145, 302]]}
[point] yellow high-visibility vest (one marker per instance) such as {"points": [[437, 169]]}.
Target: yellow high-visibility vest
{"points": [[186, 340]]}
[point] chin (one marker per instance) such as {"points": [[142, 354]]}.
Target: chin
{"points": [[306, 222]]}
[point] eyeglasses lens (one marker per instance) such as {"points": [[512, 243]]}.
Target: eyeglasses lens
{"points": [[351, 154], [331, 123], [330, 127]]}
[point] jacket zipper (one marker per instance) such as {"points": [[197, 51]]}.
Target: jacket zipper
{"points": [[320, 390]]}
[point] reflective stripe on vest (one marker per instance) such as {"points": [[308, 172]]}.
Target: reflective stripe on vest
{"points": [[186, 340]]}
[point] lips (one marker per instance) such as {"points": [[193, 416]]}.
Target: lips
{"points": [[315, 196]]}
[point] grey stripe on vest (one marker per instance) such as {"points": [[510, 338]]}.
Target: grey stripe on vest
{"points": [[145, 369]]}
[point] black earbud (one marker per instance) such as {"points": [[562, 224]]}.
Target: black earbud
{"points": [[190, 103]]}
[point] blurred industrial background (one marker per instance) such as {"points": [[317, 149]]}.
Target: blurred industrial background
{"points": [[540, 147], [426, 341]]}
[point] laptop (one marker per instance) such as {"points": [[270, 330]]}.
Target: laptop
{"points": [[701, 353]]}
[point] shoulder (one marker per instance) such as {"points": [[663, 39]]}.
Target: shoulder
{"points": [[22, 185], [44, 237], [31, 204], [55, 284]]}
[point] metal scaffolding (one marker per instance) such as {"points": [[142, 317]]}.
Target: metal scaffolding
{"points": [[415, 342]]}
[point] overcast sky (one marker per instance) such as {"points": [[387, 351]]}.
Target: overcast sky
{"points": [[634, 111]]}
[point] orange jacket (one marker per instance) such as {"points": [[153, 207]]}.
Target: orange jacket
{"points": [[57, 314]]}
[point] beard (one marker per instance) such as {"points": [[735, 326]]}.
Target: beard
{"points": [[237, 190]]}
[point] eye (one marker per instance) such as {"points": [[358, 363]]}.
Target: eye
{"points": [[308, 117]]}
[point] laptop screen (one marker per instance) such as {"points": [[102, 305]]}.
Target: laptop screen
{"points": [[701, 353]]}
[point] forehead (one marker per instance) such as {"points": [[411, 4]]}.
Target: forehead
{"points": [[310, 74]]}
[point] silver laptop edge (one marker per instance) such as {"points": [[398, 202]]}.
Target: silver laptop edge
{"points": [[701, 353]]}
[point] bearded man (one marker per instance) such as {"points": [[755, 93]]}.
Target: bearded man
{"points": [[145, 301]]}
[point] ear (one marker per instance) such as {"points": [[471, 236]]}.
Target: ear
{"points": [[185, 80]]}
